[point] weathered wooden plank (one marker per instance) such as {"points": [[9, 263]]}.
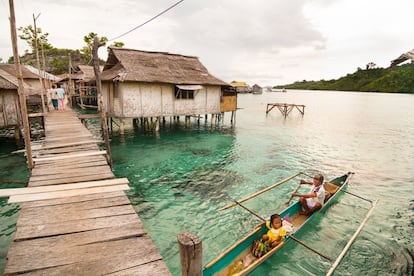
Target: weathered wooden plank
{"points": [[84, 205], [153, 268], [84, 199], [66, 156], [72, 137], [64, 162], [59, 174], [59, 194], [53, 168], [61, 145], [113, 256], [42, 189], [61, 150], [72, 179], [68, 170], [34, 217], [66, 123], [132, 229], [68, 227]]}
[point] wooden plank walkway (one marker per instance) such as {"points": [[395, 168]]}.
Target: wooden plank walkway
{"points": [[75, 218]]}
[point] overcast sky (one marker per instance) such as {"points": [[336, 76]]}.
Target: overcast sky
{"points": [[268, 42]]}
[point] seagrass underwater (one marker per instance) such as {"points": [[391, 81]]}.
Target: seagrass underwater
{"points": [[181, 177]]}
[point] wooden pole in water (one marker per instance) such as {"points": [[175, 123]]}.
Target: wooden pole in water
{"points": [[100, 99], [190, 254], [22, 96]]}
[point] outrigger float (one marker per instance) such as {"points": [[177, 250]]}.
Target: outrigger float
{"points": [[239, 260]]}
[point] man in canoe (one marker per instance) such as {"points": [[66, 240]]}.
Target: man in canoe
{"points": [[314, 200]]}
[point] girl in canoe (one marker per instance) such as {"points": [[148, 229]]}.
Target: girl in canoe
{"points": [[272, 238], [276, 233]]}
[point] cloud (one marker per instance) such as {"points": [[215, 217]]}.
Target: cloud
{"points": [[261, 41]]}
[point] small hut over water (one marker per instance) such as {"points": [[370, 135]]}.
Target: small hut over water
{"points": [[84, 94], [257, 89], [9, 101], [153, 85], [241, 86], [10, 113]]}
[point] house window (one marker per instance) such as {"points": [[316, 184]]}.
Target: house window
{"points": [[186, 91], [184, 94]]}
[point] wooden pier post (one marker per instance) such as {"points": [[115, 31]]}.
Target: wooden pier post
{"points": [[20, 89], [190, 254], [100, 100]]}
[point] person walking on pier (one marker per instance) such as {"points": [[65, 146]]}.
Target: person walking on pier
{"points": [[61, 98]]}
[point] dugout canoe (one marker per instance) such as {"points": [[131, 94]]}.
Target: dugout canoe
{"points": [[238, 259]]}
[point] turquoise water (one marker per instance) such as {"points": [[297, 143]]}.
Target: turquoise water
{"points": [[180, 178]]}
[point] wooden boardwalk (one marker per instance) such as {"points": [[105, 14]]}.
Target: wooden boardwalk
{"points": [[75, 218]]}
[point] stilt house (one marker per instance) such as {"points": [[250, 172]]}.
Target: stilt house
{"points": [[257, 89], [10, 115], [241, 86], [142, 84], [9, 101]]}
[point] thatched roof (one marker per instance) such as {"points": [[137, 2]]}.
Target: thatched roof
{"points": [[143, 66], [11, 69], [85, 72], [7, 81], [403, 57]]}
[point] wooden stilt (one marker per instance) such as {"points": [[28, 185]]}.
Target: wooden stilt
{"points": [[121, 126]]}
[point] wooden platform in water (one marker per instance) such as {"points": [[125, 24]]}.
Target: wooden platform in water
{"points": [[75, 218], [285, 108]]}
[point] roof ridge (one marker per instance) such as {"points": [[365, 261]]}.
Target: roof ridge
{"points": [[151, 52]]}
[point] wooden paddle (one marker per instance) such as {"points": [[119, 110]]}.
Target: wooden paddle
{"points": [[286, 204]]}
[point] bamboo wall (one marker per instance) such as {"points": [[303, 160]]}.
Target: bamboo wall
{"points": [[133, 100], [9, 108]]}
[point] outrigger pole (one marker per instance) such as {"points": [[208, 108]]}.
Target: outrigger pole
{"points": [[348, 245], [260, 192]]}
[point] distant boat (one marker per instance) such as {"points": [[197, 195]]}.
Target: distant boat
{"points": [[278, 90]]}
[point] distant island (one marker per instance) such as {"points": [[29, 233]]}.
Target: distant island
{"points": [[397, 79]]}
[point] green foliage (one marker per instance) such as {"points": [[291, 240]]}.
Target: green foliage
{"points": [[32, 37], [87, 50], [395, 79], [119, 44], [57, 60]]}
